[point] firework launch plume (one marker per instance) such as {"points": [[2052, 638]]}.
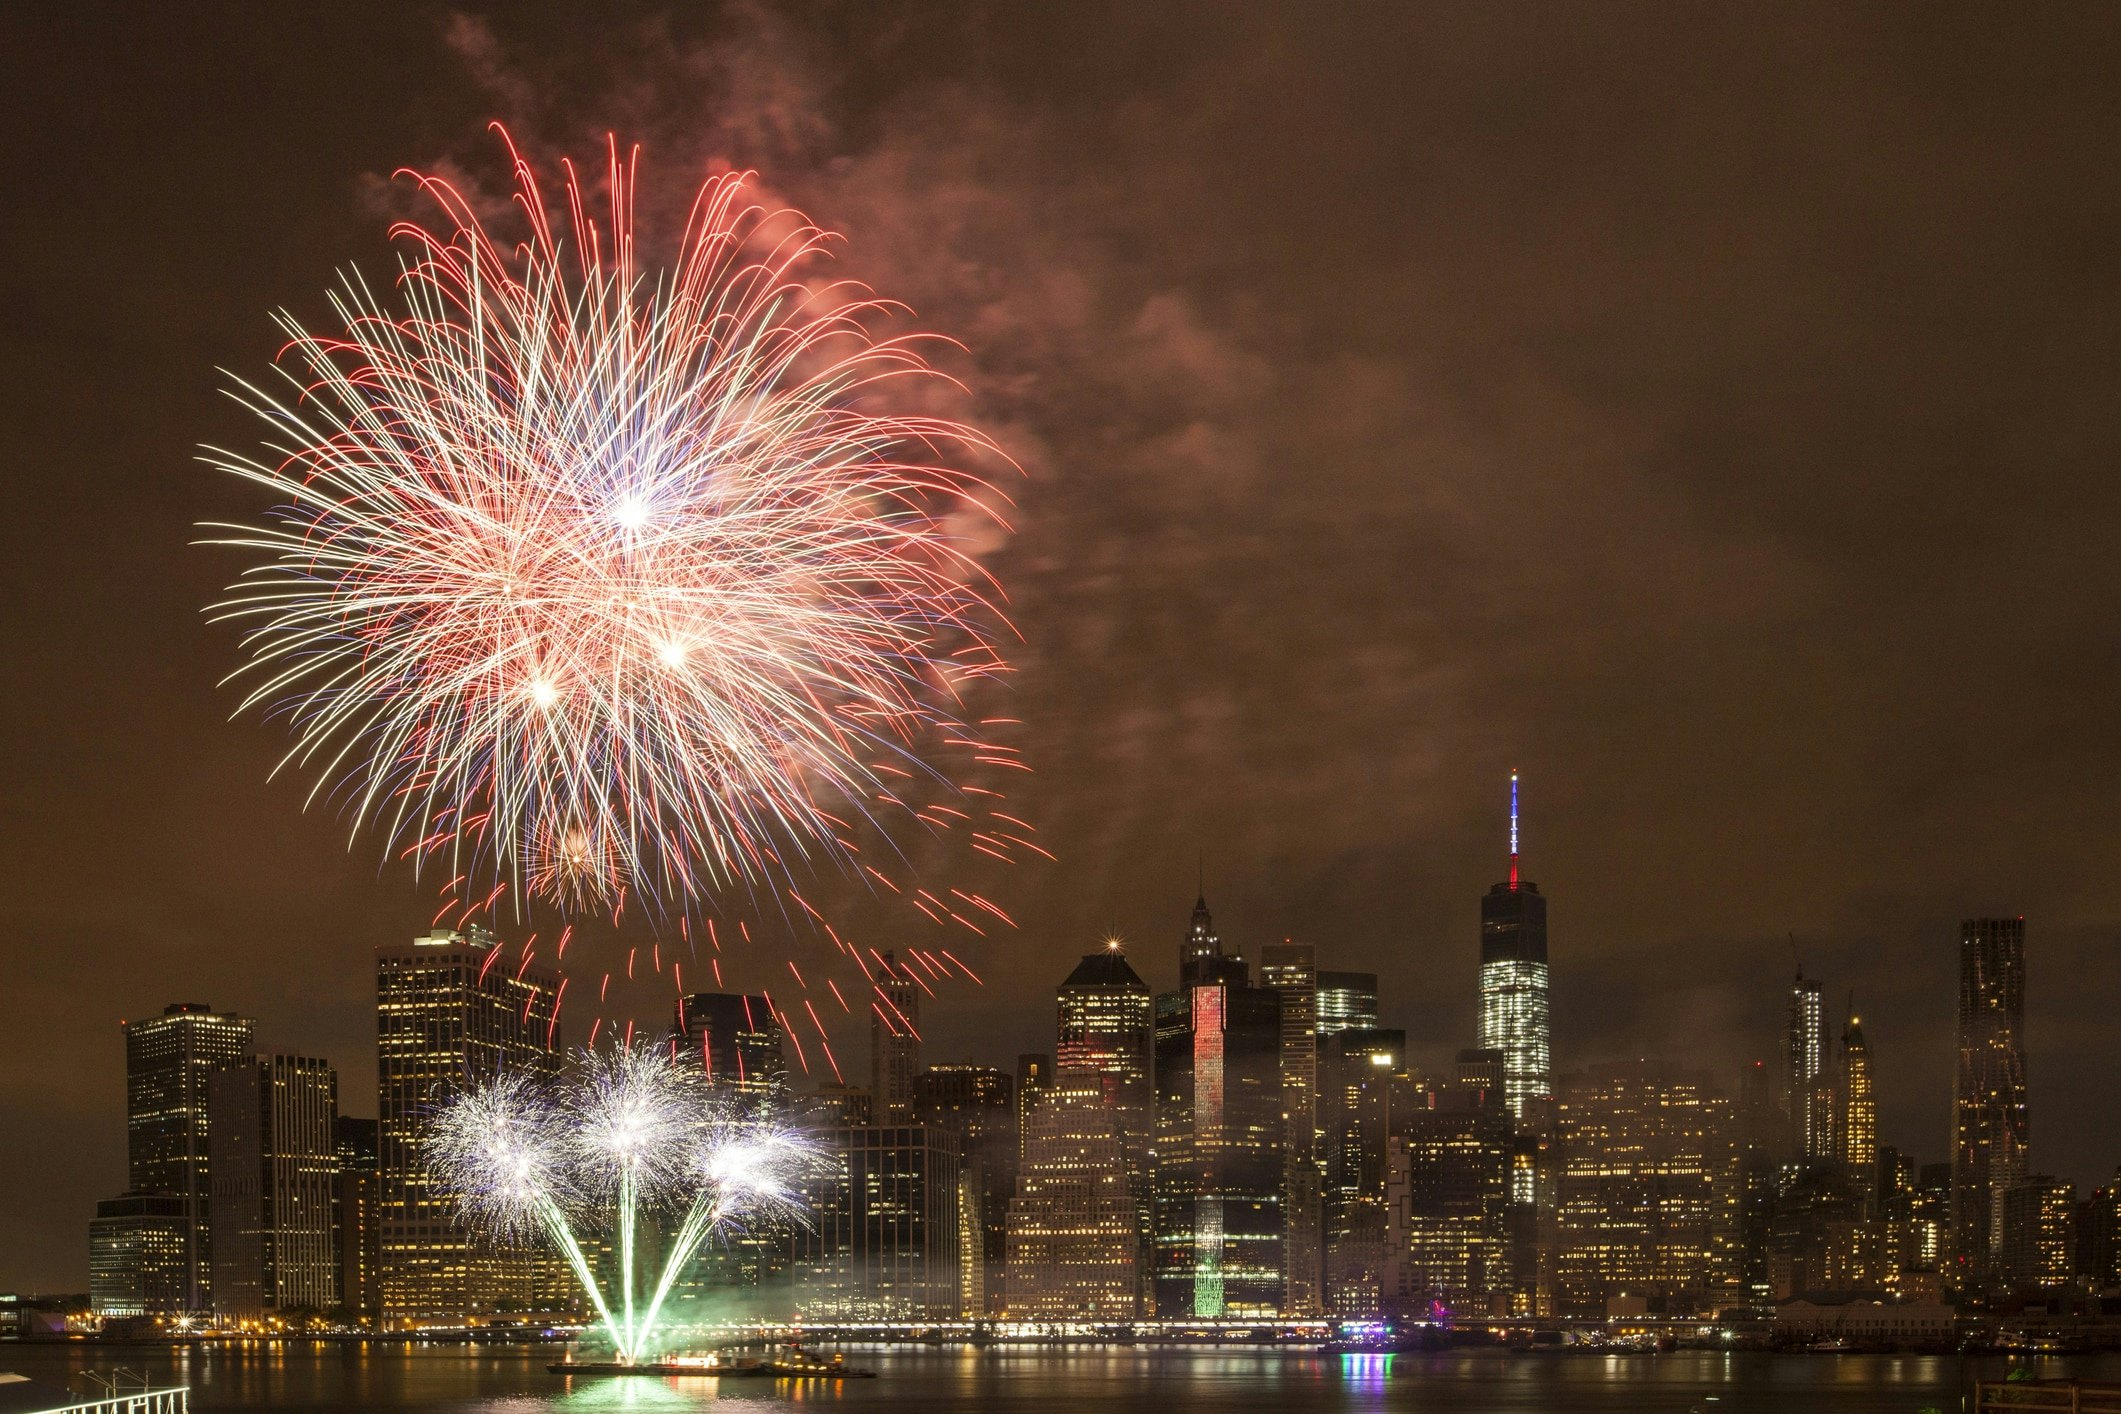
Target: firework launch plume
{"points": [[593, 577], [628, 1131]]}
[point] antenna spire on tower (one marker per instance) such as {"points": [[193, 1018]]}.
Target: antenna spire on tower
{"points": [[1513, 829]]}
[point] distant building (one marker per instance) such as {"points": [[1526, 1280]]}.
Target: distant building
{"points": [[976, 1104], [1808, 1087], [452, 1010], [274, 1131], [1074, 1226], [1647, 1195], [1218, 1173], [1357, 1076], [1347, 1001], [139, 1250], [1448, 1206], [1034, 1073], [1859, 1104], [2099, 1237], [1514, 982], [1991, 1127], [2037, 1244], [736, 1039], [355, 1217], [1105, 1032], [1823, 1237], [1291, 971], [882, 1239], [169, 1060], [894, 1039]]}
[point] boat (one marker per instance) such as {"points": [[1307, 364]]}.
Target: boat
{"points": [[796, 1364]]}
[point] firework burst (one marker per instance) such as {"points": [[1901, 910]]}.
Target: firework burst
{"points": [[594, 579], [629, 1131]]}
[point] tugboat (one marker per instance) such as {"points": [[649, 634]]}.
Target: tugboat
{"points": [[796, 1364]]}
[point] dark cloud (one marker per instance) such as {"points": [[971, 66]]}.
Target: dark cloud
{"points": [[1709, 411]]}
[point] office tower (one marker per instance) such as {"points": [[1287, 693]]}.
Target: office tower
{"points": [[1859, 1105], [1105, 1032], [1074, 1226], [1218, 1166], [977, 1105], [833, 1106], [1513, 984], [1932, 1206], [1990, 1123], [881, 1242], [1347, 1001], [451, 1010], [894, 1039], [1290, 970], [1448, 1204], [355, 1216], [1034, 1073], [1647, 1193], [1357, 1074], [2099, 1237], [273, 1135], [737, 1040], [168, 1061], [139, 1254], [1808, 1089], [1762, 1129], [2037, 1245]]}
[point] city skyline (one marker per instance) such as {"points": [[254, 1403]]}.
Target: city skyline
{"points": [[1684, 414]]}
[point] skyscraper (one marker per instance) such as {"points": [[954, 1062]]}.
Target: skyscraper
{"points": [[1347, 1001], [977, 1105], [1448, 1204], [881, 1240], [1990, 1126], [169, 1062], [274, 1131], [1358, 1072], [1808, 1088], [356, 1218], [450, 1011], [737, 1039], [1074, 1226], [1859, 1106], [1218, 1180], [894, 1039], [1105, 1037], [1513, 983], [1291, 971]]}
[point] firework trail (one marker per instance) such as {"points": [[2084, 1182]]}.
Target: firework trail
{"points": [[594, 580], [631, 1130]]}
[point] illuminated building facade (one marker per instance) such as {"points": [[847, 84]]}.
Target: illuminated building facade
{"points": [[2099, 1237], [1074, 1226], [977, 1104], [1358, 1074], [1647, 1192], [894, 1039], [1858, 1129], [1105, 1031], [1513, 984], [1808, 1087], [737, 1040], [355, 1217], [1218, 1165], [1991, 1127], [1448, 1206], [882, 1240], [1347, 1001], [169, 1062], [1034, 1073], [274, 1140], [2038, 1242], [139, 1252], [1290, 970], [452, 1009]]}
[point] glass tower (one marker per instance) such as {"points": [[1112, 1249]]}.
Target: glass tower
{"points": [[1513, 983], [1990, 1122], [169, 1061]]}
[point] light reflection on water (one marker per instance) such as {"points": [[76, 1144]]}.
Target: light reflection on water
{"points": [[331, 1379]]}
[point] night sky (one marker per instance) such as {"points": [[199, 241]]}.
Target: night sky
{"points": [[1712, 412]]}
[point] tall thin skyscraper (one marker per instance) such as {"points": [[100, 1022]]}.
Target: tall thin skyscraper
{"points": [[451, 1011], [274, 1136], [354, 1153], [1291, 969], [1808, 1092], [1859, 1105], [1991, 1127], [1105, 1039], [1513, 983], [894, 1040], [169, 1062]]}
